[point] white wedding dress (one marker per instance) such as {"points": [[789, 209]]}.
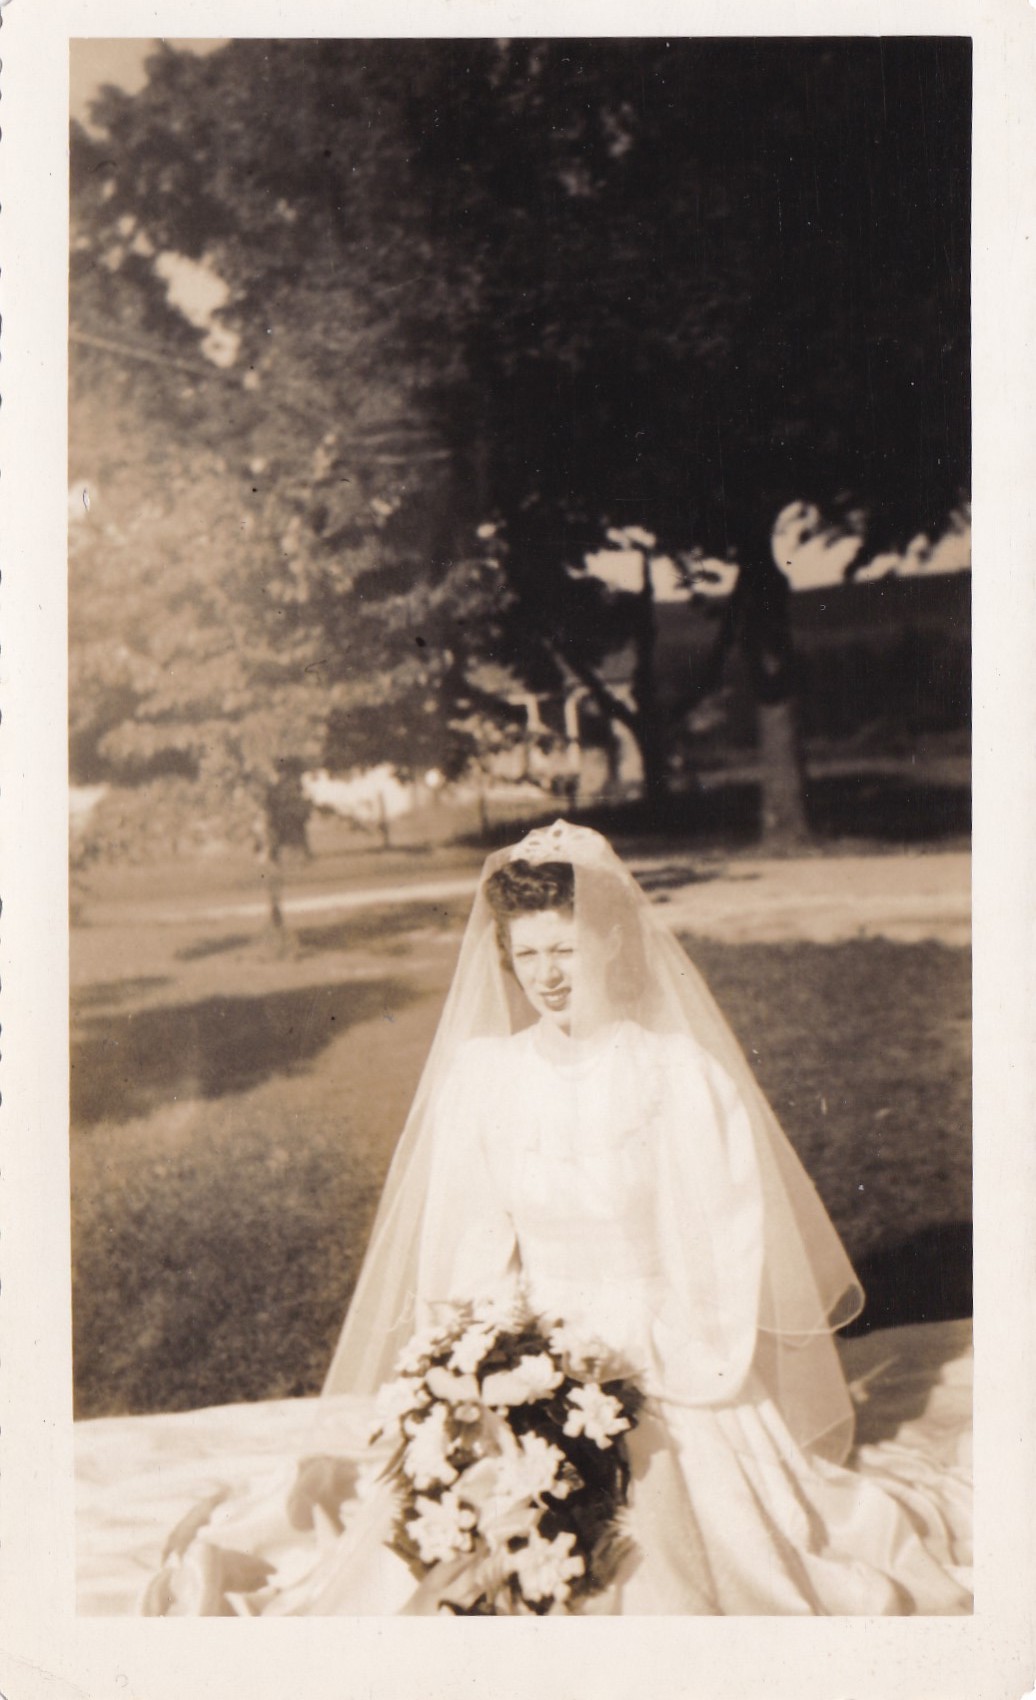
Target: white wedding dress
{"points": [[566, 1169]]}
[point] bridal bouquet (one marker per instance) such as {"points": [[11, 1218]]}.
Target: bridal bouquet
{"points": [[510, 1463]]}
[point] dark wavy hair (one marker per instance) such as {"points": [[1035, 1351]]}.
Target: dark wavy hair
{"points": [[527, 888]]}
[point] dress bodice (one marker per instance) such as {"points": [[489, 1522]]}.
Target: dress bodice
{"points": [[576, 1172], [608, 1176]]}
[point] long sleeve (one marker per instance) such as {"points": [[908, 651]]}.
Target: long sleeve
{"points": [[468, 1248], [710, 1218]]}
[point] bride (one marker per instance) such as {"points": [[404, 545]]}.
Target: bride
{"points": [[588, 1134]]}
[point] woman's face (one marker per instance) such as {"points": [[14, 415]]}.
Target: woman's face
{"points": [[546, 962]]}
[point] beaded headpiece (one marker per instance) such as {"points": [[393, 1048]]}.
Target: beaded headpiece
{"points": [[563, 842]]}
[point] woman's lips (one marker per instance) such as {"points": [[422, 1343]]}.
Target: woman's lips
{"points": [[556, 1000]]}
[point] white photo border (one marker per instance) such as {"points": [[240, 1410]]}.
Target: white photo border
{"points": [[45, 1650]]}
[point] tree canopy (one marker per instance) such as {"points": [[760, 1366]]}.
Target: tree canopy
{"points": [[559, 285]]}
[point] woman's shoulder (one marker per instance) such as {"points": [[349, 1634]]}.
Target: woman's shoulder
{"points": [[679, 1058], [485, 1085], [666, 1050], [482, 1057]]}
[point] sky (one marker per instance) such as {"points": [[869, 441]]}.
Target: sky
{"points": [[192, 288], [94, 62]]}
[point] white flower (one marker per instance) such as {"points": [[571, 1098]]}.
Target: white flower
{"points": [[595, 1414], [500, 1518], [582, 1354], [544, 1568], [415, 1354], [506, 1487], [532, 1378], [426, 1460], [442, 1527], [529, 1469], [397, 1399], [454, 1389], [472, 1347], [496, 1310], [578, 1351], [500, 1523]]}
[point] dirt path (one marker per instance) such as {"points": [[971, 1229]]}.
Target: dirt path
{"points": [[830, 898], [822, 898]]}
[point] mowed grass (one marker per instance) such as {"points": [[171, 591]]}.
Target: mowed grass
{"points": [[234, 1114]]}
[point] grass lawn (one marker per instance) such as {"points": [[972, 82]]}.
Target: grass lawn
{"points": [[234, 1113]]}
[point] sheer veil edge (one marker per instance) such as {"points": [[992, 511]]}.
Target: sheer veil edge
{"points": [[808, 1289]]}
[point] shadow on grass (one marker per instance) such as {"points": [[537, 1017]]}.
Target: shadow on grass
{"points": [[926, 1278], [675, 878], [203, 948], [888, 807], [126, 1065], [727, 813], [376, 925], [108, 992]]}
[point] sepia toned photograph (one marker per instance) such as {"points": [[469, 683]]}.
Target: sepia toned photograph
{"points": [[519, 552], [517, 857]]}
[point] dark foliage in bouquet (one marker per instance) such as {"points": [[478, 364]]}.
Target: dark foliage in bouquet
{"points": [[510, 1464]]}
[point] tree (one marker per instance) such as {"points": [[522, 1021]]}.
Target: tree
{"points": [[185, 687], [563, 267], [232, 627], [272, 542], [693, 320]]}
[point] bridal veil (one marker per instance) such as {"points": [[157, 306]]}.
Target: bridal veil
{"points": [[634, 970]]}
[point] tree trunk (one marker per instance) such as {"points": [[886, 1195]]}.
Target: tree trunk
{"points": [[384, 829], [651, 745], [275, 934], [274, 877], [782, 787], [271, 873], [648, 728], [764, 624]]}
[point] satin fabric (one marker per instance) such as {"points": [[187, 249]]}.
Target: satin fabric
{"points": [[615, 1181]]}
